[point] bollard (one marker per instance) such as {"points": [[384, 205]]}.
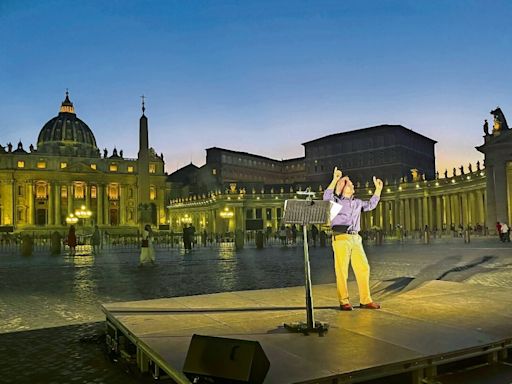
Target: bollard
{"points": [[239, 240], [426, 237], [27, 245], [379, 236], [259, 240], [55, 243], [323, 238], [467, 238]]}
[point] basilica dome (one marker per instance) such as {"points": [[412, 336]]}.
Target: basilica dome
{"points": [[67, 135]]}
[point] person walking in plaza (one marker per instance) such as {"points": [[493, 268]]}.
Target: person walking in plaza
{"points": [[505, 233], [346, 241], [96, 240], [72, 240], [498, 229], [147, 251]]}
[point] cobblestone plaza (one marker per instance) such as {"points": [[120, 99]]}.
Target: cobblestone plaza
{"points": [[51, 303]]}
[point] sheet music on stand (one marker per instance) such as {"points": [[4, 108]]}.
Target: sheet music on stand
{"points": [[304, 212]]}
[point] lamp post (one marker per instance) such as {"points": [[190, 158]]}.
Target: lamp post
{"points": [[71, 219], [226, 214], [83, 214]]}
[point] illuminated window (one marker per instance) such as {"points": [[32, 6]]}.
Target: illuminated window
{"points": [[93, 192], [41, 191], [79, 191], [113, 167], [152, 168], [152, 193], [113, 191], [214, 171], [41, 164], [93, 166], [63, 165], [21, 164], [64, 191], [130, 169]]}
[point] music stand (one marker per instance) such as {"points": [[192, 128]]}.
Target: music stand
{"points": [[304, 212]]}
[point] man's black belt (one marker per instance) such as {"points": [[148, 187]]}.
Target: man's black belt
{"points": [[342, 229]]}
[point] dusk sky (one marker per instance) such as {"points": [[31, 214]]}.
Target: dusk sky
{"points": [[256, 76]]}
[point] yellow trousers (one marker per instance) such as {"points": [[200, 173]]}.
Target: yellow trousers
{"points": [[349, 249]]}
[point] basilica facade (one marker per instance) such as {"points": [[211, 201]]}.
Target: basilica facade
{"points": [[45, 186]]}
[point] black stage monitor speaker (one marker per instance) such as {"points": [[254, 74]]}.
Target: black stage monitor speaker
{"points": [[224, 360]]}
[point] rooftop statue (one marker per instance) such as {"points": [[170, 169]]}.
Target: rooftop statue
{"points": [[486, 127], [500, 123]]}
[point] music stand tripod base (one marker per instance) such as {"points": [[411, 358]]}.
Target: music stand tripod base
{"points": [[302, 327]]}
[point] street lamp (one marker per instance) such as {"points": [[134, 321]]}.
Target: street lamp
{"points": [[83, 214], [71, 219]]}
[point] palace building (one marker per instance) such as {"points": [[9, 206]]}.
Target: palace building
{"points": [[42, 187], [241, 191]]}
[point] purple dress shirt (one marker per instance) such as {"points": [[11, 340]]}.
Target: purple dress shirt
{"points": [[350, 213]]}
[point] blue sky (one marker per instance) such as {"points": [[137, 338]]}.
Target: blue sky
{"points": [[260, 76]]}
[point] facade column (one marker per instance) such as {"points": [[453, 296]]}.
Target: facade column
{"points": [[106, 220], [87, 191], [500, 192], [30, 203], [50, 214], [491, 198], [70, 198], [99, 204], [57, 197], [122, 207]]}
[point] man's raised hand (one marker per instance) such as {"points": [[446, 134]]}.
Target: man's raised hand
{"points": [[378, 183], [336, 174]]}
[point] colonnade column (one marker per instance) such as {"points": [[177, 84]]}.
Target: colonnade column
{"points": [[439, 212]]}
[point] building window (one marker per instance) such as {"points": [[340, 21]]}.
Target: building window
{"points": [[63, 165], [93, 192], [152, 168], [113, 191], [20, 214], [268, 213], [21, 164], [41, 191], [278, 212], [249, 214], [79, 191], [41, 164], [258, 213], [130, 193], [152, 193], [64, 191], [130, 169], [93, 166], [20, 190], [113, 167]]}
